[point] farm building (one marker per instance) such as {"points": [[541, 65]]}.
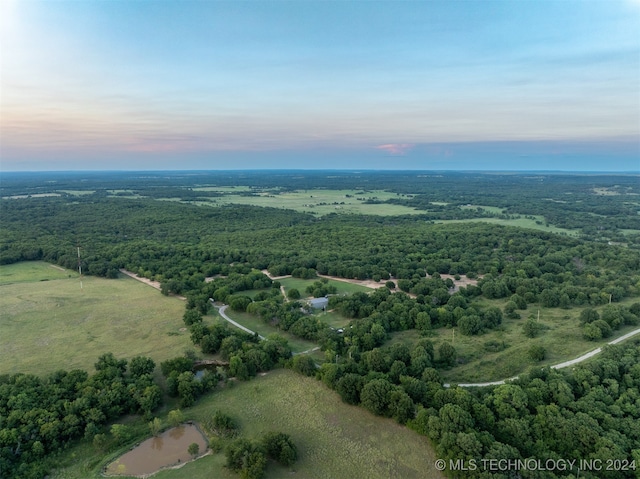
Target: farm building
{"points": [[319, 303]]}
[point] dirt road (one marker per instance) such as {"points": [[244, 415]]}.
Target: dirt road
{"points": [[565, 364]]}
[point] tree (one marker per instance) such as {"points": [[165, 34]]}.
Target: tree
{"points": [[531, 328], [238, 368], [280, 447], [447, 354], [149, 399], [155, 426], [293, 294], [192, 316], [349, 387], [304, 364], [100, 442], [247, 458], [239, 302], [193, 449], [179, 364], [108, 361], [470, 325], [224, 425], [121, 433], [188, 388], [141, 365], [175, 417], [401, 406], [537, 352], [375, 396], [589, 315]]}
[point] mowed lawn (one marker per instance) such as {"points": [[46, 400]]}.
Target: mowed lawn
{"points": [[255, 324], [343, 287], [334, 440], [49, 323]]}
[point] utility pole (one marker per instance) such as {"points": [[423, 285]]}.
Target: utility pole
{"points": [[79, 267]]}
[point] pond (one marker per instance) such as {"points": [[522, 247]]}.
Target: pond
{"points": [[168, 449]]}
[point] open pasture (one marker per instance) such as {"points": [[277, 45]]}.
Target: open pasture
{"points": [[33, 271], [334, 440], [255, 324], [535, 224], [54, 324], [343, 287], [319, 201], [481, 358]]}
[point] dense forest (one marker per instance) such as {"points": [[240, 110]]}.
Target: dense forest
{"points": [[589, 414], [601, 207], [218, 253]]}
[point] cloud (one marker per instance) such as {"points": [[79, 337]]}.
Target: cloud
{"points": [[396, 149]]}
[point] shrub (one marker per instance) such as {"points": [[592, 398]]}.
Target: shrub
{"points": [[537, 353], [531, 328], [280, 447]]}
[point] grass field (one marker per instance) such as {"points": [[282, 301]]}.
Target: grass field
{"points": [[334, 319], [334, 440], [342, 286], [562, 339], [521, 222], [254, 323], [49, 323], [318, 202], [33, 271]]}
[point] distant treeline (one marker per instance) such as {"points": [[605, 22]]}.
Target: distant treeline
{"points": [[179, 245], [599, 206]]}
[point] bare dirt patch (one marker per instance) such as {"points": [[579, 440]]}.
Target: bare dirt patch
{"points": [[463, 281], [147, 281], [368, 283]]}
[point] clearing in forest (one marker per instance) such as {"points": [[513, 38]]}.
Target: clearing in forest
{"points": [[50, 323]]}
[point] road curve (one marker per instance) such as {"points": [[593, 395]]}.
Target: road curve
{"points": [[565, 364], [222, 310]]}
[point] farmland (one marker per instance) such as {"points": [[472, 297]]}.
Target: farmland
{"points": [[359, 444], [447, 294], [49, 323]]}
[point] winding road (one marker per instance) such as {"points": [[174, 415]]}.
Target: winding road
{"points": [[222, 310], [565, 364]]}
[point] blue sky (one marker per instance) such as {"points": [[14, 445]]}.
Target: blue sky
{"points": [[483, 85]]}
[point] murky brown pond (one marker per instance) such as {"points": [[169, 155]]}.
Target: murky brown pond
{"points": [[168, 449]]}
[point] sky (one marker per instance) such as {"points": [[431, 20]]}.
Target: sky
{"points": [[423, 84]]}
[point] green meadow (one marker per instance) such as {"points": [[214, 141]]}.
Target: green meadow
{"points": [[49, 322], [255, 324], [521, 221], [561, 336], [318, 201], [343, 287], [32, 271], [334, 440]]}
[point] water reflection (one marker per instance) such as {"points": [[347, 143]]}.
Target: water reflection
{"points": [[170, 448]]}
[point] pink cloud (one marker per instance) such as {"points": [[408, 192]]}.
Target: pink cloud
{"points": [[396, 149]]}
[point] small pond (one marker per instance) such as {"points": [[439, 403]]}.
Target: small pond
{"points": [[168, 449]]}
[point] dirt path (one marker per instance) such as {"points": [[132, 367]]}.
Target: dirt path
{"points": [[565, 364], [222, 310], [147, 281], [369, 283]]}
